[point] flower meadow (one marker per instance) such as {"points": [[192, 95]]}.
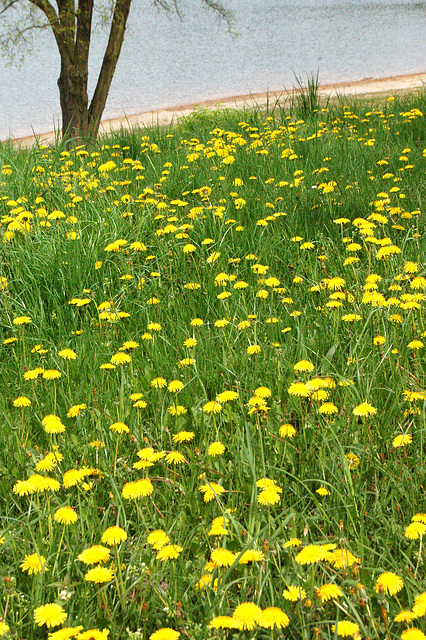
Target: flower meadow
{"points": [[213, 379]]}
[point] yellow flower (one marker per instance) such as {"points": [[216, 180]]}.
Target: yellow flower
{"points": [[22, 320], [322, 491], [212, 407], [329, 592], [404, 616], [4, 628], [304, 365], [364, 409], [342, 558], [412, 633], [389, 583], [22, 401], [137, 489], [310, 554], [75, 410], [402, 440], [158, 383], [247, 615], [251, 555], [216, 449], [99, 575], [113, 535], [119, 427], [52, 424], [175, 457], [273, 617], [67, 354], [94, 554], [158, 539], [299, 389], [65, 515], [294, 594], [164, 634], [287, 431], [33, 564], [51, 615], [51, 374], [222, 622], [211, 490], [175, 386], [121, 358], [169, 552], [345, 628], [415, 530]]}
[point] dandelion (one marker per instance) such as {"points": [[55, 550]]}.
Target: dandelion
{"points": [[4, 628], [303, 365], [93, 555], [183, 436], [175, 386], [158, 539], [345, 628], [365, 410], [65, 515], [253, 349], [169, 552], [158, 383], [22, 320], [211, 490], [402, 440], [119, 427], [216, 449], [310, 554], [389, 583], [247, 615], [352, 460], [137, 489], [120, 358], [99, 575], [51, 374], [222, 622], [299, 389], [22, 401], [251, 555], [412, 633], [175, 457], [322, 491], [294, 594], [52, 424], [33, 564], [51, 615], [212, 407], [75, 410], [273, 617], [287, 431], [67, 354], [165, 634], [329, 592], [415, 530]]}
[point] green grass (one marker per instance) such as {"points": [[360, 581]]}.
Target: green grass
{"points": [[245, 220]]}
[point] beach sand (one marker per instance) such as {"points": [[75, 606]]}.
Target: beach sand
{"points": [[367, 87]]}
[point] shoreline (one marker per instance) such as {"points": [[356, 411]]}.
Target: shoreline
{"points": [[365, 87]]}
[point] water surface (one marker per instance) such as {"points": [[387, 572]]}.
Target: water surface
{"points": [[167, 62]]}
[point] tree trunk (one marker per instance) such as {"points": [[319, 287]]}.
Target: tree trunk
{"points": [[112, 53], [74, 103]]}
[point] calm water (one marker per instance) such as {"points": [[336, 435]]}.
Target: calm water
{"points": [[167, 62]]}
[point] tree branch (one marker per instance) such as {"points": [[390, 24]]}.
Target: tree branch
{"points": [[109, 63]]}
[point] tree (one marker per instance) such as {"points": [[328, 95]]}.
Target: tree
{"points": [[71, 22]]}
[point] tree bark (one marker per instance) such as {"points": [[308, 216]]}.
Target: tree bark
{"points": [[112, 53]]}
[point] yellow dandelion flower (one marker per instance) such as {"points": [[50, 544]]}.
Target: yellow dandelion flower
{"points": [[65, 515], [99, 575], [169, 552], [365, 410], [402, 440], [94, 554], [51, 615], [345, 628], [273, 617], [294, 594], [33, 564], [329, 592], [247, 615]]}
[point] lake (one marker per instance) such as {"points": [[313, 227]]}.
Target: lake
{"points": [[167, 62]]}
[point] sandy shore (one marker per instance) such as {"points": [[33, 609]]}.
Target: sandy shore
{"points": [[365, 87]]}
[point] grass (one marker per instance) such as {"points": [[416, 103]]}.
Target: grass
{"points": [[212, 337]]}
